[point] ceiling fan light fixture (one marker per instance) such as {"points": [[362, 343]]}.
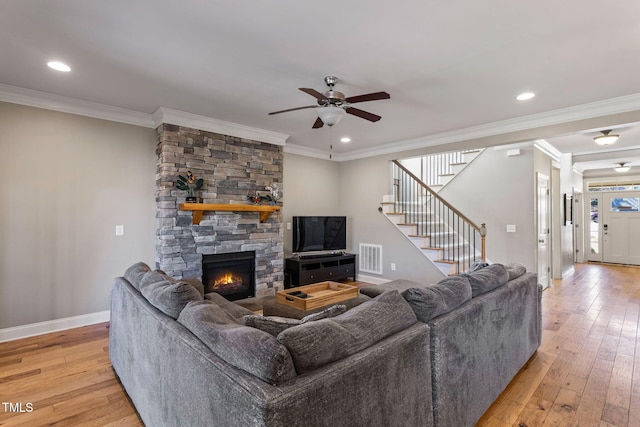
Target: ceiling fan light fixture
{"points": [[606, 138], [330, 115], [622, 168]]}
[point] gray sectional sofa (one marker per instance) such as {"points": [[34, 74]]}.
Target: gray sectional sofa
{"points": [[414, 355], [188, 360]]}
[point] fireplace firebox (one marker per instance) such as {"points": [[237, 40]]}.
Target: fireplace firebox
{"points": [[232, 275]]}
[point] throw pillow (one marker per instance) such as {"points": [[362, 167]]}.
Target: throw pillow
{"points": [[249, 349], [487, 279], [515, 270], [135, 273], [434, 300], [315, 344], [394, 285], [275, 324], [478, 265], [170, 298]]}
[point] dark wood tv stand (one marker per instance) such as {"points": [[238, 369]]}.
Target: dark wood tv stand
{"points": [[319, 268]]}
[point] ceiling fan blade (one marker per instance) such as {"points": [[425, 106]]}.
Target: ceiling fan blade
{"points": [[293, 109], [318, 123], [368, 97], [314, 93], [363, 114]]}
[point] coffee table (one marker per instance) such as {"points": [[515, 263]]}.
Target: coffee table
{"points": [[320, 296]]}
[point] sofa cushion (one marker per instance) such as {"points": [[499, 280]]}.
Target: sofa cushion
{"points": [[249, 349], [487, 279], [135, 273], [170, 298], [315, 344], [275, 324], [515, 270], [234, 310], [394, 285], [434, 300], [196, 283]]}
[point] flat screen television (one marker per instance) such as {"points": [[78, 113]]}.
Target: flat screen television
{"points": [[319, 233]]}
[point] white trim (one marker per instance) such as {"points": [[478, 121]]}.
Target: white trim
{"points": [[591, 110], [48, 101], [180, 118], [307, 151], [372, 279], [25, 331], [548, 149]]}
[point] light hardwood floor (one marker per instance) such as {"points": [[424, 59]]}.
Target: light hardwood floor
{"points": [[586, 373]]}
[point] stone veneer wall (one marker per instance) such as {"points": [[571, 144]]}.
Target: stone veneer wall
{"points": [[232, 168]]}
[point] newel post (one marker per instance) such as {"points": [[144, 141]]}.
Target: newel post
{"points": [[483, 235]]}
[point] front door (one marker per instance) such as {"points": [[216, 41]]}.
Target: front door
{"points": [[544, 215], [621, 227]]}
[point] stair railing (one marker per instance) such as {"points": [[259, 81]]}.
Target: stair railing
{"points": [[446, 228], [433, 166]]}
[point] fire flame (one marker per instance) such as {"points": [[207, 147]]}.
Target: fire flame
{"points": [[226, 279]]}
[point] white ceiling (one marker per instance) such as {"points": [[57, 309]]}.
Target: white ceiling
{"points": [[447, 65]]}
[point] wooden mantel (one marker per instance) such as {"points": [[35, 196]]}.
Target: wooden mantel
{"points": [[198, 209]]}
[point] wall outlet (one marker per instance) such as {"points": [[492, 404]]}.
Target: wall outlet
{"points": [[511, 228], [393, 266], [288, 226], [119, 230]]}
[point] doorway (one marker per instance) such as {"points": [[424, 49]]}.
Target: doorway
{"points": [[614, 227]]}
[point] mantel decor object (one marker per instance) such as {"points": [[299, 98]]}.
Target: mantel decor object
{"points": [[189, 184]]}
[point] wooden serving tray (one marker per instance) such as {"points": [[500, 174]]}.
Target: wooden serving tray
{"points": [[318, 295]]}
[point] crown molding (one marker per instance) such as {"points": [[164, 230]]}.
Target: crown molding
{"points": [[308, 152], [180, 118], [63, 104], [622, 104], [548, 149]]}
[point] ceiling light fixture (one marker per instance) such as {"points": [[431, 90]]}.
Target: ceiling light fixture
{"points": [[330, 115], [606, 138], [345, 139], [525, 96], [622, 168], [59, 66]]}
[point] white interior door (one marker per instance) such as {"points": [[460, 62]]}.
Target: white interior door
{"points": [[544, 214], [621, 227]]}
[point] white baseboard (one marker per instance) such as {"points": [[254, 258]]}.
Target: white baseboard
{"points": [[25, 331], [372, 279]]}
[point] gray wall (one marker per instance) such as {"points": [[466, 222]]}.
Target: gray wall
{"points": [[65, 182], [499, 191]]}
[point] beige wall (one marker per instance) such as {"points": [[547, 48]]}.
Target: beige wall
{"points": [[310, 187], [65, 182]]}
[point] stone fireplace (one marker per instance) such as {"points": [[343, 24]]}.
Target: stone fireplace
{"points": [[232, 168]]}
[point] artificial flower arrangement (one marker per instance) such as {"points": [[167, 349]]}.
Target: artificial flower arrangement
{"points": [[189, 184], [275, 193]]}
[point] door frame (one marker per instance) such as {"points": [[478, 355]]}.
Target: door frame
{"points": [[543, 212]]}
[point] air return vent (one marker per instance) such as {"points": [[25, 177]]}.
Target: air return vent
{"points": [[370, 258]]}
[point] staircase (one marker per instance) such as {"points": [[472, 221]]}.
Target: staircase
{"points": [[437, 170], [451, 241]]}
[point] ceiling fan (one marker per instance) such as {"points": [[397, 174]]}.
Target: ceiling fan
{"points": [[333, 104]]}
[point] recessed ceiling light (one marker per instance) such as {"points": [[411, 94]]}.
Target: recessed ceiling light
{"points": [[525, 96], [59, 66], [345, 139]]}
